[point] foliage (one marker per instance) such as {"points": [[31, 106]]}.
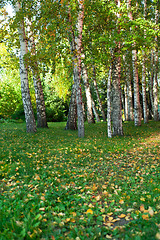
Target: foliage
{"points": [[10, 93], [57, 186]]}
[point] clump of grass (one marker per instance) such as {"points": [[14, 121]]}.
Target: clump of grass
{"points": [[57, 186]]}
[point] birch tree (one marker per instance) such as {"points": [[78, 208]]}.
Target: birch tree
{"points": [[76, 46], [145, 112], [109, 103], [28, 110], [40, 103], [90, 117], [155, 80], [72, 114], [137, 106]]}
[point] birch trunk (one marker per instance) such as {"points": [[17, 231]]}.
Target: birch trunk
{"points": [[145, 111], [126, 103], [77, 70], [41, 110], [72, 114], [90, 117], [137, 106], [130, 98], [151, 80], [116, 104], [109, 125], [95, 111], [76, 45], [155, 83], [28, 110], [97, 93]]}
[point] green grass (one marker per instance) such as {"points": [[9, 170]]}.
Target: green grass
{"points": [[57, 186]]}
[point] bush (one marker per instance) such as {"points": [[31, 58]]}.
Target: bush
{"points": [[55, 111]]}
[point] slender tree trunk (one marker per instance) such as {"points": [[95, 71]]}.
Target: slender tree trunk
{"points": [[72, 114], [116, 105], [137, 106], [145, 111], [90, 117], [129, 93], [41, 110], [76, 47], [109, 103], [155, 83], [97, 93], [126, 103], [28, 110], [77, 69], [151, 80], [95, 111]]}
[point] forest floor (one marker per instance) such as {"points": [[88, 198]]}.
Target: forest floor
{"points": [[54, 185]]}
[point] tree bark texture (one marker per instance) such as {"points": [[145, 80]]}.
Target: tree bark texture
{"points": [[116, 104], [72, 114], [109, 125], [155, 82], [126, 103], [97, 93], [41, 110], [144, 97], [28, 110], [76, 45], [95, 111], [137, 106], [90, 116]]}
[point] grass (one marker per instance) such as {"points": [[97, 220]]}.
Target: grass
{"points": [[57, 186]]}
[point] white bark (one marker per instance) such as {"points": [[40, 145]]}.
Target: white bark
{"points": [[145, 110], [90, 117], [97, 93], [72, 114], [116, 104], [109, 103], [41, 110], [126, 103], [137, 107], [28, 110], [155, 82], [95, 111]]}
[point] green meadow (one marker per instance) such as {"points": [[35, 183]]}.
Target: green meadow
{"points": [[54, 185]]}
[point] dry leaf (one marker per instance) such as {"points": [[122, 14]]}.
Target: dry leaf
{"points": [[122, 215], [73, 220], [145, 216], [89, 211], [150, 211], [98, 197], [121, 201], [110, 219], [142, 208]]}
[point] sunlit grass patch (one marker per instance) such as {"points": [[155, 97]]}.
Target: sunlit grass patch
{"points": [[57, 186]]}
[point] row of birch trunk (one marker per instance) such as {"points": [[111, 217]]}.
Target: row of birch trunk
{"points": [[117, 99]]}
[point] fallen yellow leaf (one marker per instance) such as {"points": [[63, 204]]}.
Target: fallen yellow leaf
{"points": [[110, 219], [73, 220], [142, 208], [98, 197], [122, 215], [121, 201], [74, 214], [89, 211], [145, 216], [150, 211]]}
